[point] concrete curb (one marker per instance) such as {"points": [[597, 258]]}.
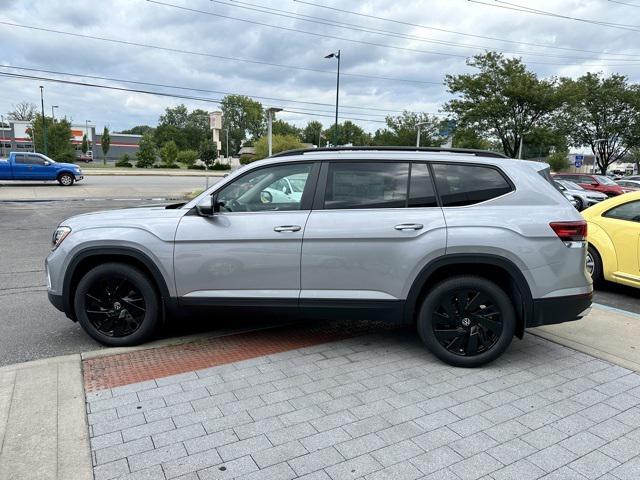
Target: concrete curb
{"points": [[89, 172]]}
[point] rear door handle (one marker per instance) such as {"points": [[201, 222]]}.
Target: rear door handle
{"points": [[287, 228], [408, 226]]}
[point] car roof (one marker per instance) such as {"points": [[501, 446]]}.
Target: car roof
{"points": [[599, 208]]}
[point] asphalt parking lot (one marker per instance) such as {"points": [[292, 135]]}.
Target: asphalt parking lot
{"points": [[30, 328]]}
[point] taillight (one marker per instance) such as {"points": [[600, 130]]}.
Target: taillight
{"points": [[570, 231]]}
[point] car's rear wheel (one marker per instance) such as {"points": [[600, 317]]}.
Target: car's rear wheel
{"points": [[65, 179], [593, 264], [579, 204], [467, 321], [117, 305]]}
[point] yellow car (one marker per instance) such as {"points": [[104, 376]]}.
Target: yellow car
{"points": [[614, 239]]}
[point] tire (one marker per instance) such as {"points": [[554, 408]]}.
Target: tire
{"points": [[579, 204], [593, 264], [66, 179], [117, 305], [469, 339]]}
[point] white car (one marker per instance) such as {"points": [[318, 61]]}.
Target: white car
{"points": [[583, 198]]}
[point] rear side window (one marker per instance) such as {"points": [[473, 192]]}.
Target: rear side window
{"points": [[627, 211], [366, 185], [460, 185], [421, 191]]}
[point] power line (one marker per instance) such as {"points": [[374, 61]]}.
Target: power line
{"points": [[520, 8], [466, 34], [179, 87], [351, 40], [210, 55], [625, 3], [164, 94], [386, 33]]}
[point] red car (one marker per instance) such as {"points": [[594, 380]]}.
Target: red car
{"points": [[599, 183]]}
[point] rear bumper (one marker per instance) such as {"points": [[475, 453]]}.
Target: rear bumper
{"points": [[549, 311]]}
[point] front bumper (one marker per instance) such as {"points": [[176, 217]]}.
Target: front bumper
{"points": [[78, 177], [56, 301], [550, 311]]}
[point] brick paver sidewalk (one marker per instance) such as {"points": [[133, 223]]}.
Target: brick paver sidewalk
{"points": [[373, 407]]}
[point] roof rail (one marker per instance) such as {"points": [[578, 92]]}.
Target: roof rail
{"points": [[467, 151]]}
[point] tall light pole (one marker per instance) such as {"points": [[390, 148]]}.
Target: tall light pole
{"points": [[228, 156], [53, 116], [44, 123], [335, 131], [2, 120], [418, 136], [270, 112]]}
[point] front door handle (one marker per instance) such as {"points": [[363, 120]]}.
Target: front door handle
{"points": [[287, 228], [409, 226]]}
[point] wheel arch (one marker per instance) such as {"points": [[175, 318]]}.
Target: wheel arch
{"points": [[493, 267], [90, 257]]}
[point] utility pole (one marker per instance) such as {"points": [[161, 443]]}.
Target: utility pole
{"points": [[335, 131], [270, 112], [228, 156], [419, 125], [53, 116], [44, 123]]}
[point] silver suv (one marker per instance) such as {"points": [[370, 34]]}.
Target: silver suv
{"points": [[468, 245]]}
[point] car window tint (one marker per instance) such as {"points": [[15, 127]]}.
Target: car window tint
{"points": [[460, 185], [421, 191], [627, 211], [266, 189], [21, 159], [366, 185]]}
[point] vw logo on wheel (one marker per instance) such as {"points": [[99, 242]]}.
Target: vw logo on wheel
{"points": [[466, 322]]}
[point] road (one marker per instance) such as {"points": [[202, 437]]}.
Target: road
{"points": [[31, 328], [106, 186]]}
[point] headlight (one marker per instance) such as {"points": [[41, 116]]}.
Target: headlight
{"points": [[58, 236]]}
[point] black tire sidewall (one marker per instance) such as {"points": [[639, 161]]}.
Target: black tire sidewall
{"points": [[596, 276], [502, 301], [142, 282], [65, 175], [579, 204]]}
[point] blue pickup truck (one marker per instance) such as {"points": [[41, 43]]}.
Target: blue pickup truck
{"points": [[35, 166]]}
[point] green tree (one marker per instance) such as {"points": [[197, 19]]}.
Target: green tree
{"points": [[208, 152], [105, 143], [280, 127], [147, 151], [138, 130], [558, 161], [280, 143], [349, 134], [312, 132], [603, 113], [125, 161], [188, 157], [469, 138], [169, 133], [169, 153], [186, 129], [244, 117], [85, 144], [59, 146], [402, 130], [503, 100]]}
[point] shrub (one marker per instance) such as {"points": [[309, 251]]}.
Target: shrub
{"points": [[196, 167], [558, 161], [280, 144], [169, 153], [125, 161], [187, 157], [220, 166], [146, 153], [166, 165], [208, 151]]}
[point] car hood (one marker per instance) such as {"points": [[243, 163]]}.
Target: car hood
{"points": [[125, 217], [70, 166]]}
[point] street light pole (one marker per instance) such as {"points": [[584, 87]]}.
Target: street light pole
{"points": [[228, 156], [2, 120], [335, 131], [44, 123], [53, 116], [270, 113], [418, 136]]}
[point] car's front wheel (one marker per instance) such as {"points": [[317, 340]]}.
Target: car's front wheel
{"points": [[117, 305], [579, 204], [467, 321], [66, 179]]}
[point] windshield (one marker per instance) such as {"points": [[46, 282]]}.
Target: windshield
{"points": [[571, 185], [604, 180]]}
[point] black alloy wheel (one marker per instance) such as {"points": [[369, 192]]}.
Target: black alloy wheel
{"points": [[117, 305], [467, 321]]}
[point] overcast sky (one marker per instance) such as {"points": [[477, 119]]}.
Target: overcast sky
{"points": [[578, 47]]}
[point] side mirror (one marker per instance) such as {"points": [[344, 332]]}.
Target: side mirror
{"points": [[206, 208], [47, 163]]}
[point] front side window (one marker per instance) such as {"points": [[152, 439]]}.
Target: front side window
{"points": [[627, 211], [460, 185], [275, 188], [366, 185], [604, 180]]}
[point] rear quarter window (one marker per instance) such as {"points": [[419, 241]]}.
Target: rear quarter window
{"points": [[461, 184]]}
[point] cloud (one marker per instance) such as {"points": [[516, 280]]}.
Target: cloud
{"points": [[150, 23]]}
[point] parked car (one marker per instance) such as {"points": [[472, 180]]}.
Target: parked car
{"points": [[432, 237], [86, 157], [35, 166], [599, 183], [629, 185], [614, 240], [583, 198]]}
